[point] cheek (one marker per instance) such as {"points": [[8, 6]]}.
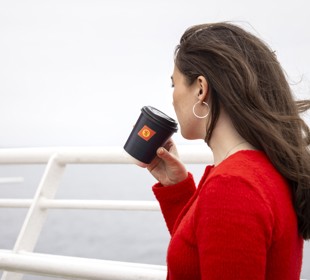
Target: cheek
{"points": [[180, 105], [179, 98], [187, 123], [173, 97], [191, 127], [175, 102]]}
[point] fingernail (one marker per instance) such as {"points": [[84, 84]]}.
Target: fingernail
{"points": [[160, 151]]}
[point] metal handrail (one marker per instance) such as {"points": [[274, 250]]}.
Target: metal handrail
{"points": [[6, 180], [89, 204], [79, 268], [21, 260], [102, 155]]}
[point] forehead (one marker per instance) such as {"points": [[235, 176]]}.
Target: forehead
{"points": [[178, 77], [176, 73]]}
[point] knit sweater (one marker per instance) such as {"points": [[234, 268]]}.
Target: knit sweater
{"points": [[238, 224]]}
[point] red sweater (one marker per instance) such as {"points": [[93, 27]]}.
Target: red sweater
{"points": [[238, 224]]}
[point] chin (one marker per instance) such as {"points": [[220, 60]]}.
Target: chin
{"points": [[189, 136]]}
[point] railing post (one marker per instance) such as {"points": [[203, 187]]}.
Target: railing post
{"points": [[36, 215]]}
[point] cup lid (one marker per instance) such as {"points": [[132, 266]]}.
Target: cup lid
{"points": [[160, 117]]}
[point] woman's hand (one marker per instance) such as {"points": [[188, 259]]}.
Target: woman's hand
{"points": [[166, 167]]}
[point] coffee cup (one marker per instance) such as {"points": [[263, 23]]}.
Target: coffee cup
{"points": [[152, 129]]}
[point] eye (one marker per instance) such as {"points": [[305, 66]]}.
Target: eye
{"points": [[172, 83]]}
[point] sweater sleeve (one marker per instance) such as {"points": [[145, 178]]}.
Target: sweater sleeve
{"points": [[172, 199], [233, 227]]}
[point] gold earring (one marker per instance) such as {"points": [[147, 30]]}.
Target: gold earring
{"points": [[204, 116]]}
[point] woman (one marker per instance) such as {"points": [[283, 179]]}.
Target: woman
{"points": [[250, 213]]}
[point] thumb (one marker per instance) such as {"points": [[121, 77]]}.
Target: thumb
{"points": [[174, 170], [166, 156]]}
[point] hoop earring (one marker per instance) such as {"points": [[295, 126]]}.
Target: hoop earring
{"points": [[204, 116]]}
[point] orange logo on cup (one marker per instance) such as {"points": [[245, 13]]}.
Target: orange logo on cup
{"points": [[146, 133]]}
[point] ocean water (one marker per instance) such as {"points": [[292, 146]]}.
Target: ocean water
{"points": [[135, 236]]}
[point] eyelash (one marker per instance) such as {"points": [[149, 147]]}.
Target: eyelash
{"points": [[172, 84]]}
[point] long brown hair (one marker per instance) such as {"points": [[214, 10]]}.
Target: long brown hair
{"points": [[248, 82]]}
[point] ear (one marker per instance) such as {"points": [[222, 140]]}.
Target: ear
{"points": [[203, 88]]}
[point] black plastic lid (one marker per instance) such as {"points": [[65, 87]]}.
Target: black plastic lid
{"points": [[160, 117]]}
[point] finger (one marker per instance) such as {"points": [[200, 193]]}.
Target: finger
{"points": [[168, 144], [153, 164], [166, 156], [171, 147]]}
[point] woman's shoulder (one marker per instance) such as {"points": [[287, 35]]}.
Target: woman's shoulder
{"points": [[250, 168], [245, 163]]}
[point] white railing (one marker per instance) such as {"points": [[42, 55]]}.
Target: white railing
{"points": [[22, 260]]}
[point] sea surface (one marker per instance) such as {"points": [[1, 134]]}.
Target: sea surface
{"points": [[135, 236]]}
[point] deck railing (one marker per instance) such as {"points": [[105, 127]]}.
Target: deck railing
{"points": [[22, 260]]}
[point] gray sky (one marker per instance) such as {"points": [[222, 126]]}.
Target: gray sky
{"points": [[76, 73]]}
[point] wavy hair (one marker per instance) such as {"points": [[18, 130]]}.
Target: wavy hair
{"points": [[247, 81]]}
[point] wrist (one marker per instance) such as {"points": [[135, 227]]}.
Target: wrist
{"points": [[180, 179], [175, 181]]}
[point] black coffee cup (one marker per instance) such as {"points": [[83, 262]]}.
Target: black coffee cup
{"points": [[152, 130]]}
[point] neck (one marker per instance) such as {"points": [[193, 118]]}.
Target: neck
{"points": [[233, 148], [226, 141]]}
